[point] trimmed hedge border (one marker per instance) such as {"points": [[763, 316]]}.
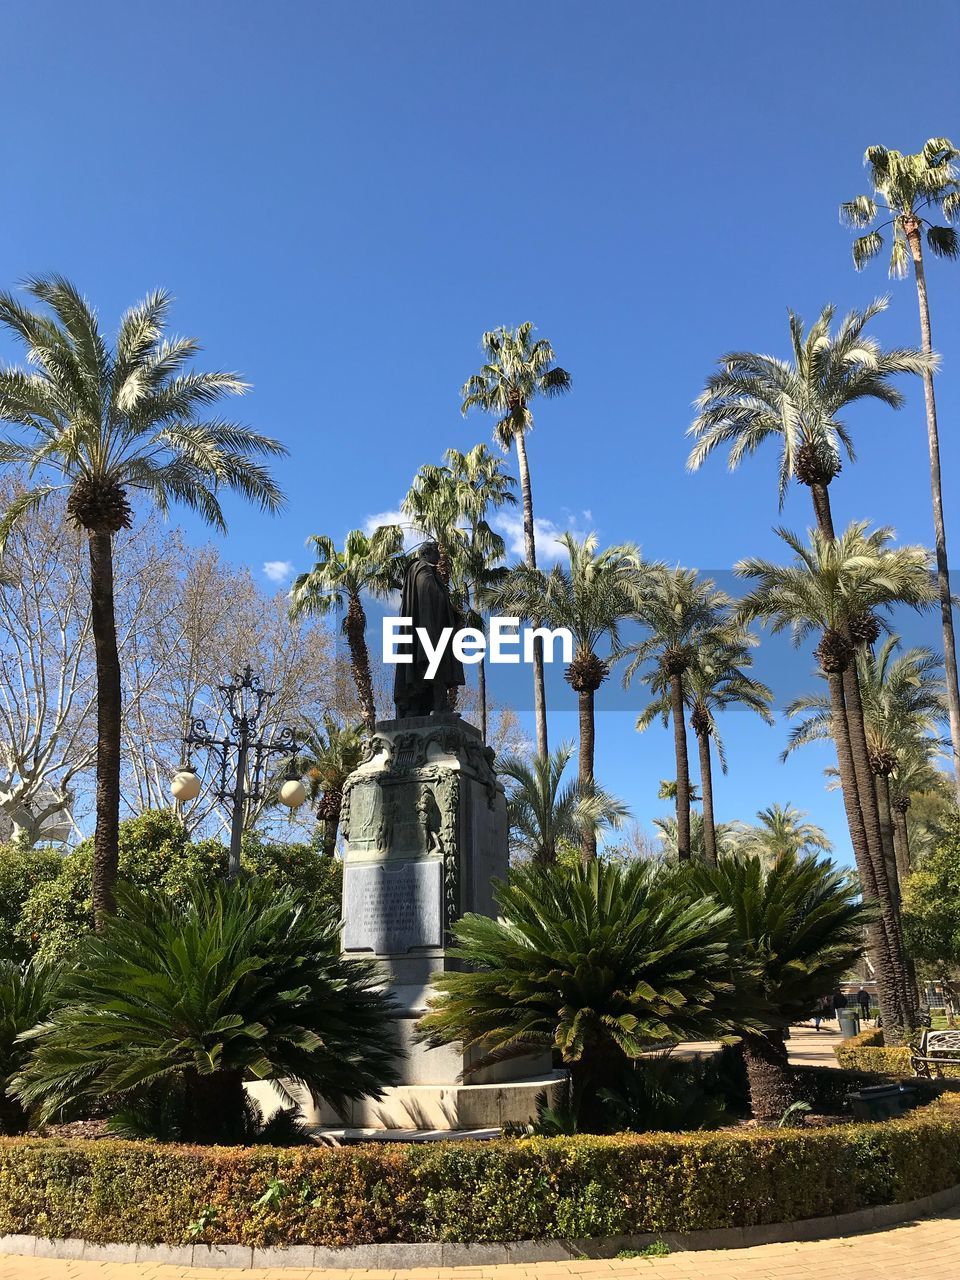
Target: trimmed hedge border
{"points": [[538, 1189], [867, 1052]]}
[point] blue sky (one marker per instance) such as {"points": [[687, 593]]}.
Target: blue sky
{"points": [[343, 197]]}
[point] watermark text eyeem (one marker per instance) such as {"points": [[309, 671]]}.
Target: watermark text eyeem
{"points": [[506, 643]]}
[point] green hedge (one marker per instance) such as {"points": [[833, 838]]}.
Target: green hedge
{"points": [[867, 1052], [472, 1191]]}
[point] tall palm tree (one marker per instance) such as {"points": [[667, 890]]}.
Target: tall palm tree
{"points": [[800, 401], [483, 485], [590, 596], [104, 423], [829, 582], [369, 564], [329, 754], [545, 813], [681, 614], [716, 680], [517, 369], [781, 831], [903, 706], [908, 191]]}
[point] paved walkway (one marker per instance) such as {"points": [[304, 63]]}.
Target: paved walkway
{"points": [[926, 1250]]}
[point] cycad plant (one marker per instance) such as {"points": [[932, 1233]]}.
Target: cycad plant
{"points": [[590, 595], [800, 924], [517, 369], [545, 813], [832, 581], [106, 423], [369, 564], [240, 982], [27, 994], [910, 194], [682, 615], [599, 962]]}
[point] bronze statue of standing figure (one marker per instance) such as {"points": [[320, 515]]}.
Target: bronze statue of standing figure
{"points": [[426, 600]]}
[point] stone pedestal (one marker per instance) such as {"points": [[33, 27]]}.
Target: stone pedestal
{"points": [[425, 825]]}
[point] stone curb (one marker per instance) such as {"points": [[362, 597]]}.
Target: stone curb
{"points": [[400, 1256]]}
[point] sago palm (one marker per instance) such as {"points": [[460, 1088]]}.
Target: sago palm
{"points": [[329, 754], [239, 982], [599, 962], [800, 402], [590, 595], [545, 812], [800, 926], [369, 564], [682, 614], [27, 996], [828, 583], [909, 192], [517, 369], [107, 423]]}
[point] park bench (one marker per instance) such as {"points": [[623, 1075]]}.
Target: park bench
{"points": [[935, 1050]]}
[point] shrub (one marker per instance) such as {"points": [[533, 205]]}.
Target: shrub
{"points": [[508, 1189], [21, 872], [174, 1004], [867, 1052], [599, 962], [26, 998]]}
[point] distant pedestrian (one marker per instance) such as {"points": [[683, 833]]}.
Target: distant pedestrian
{"points": [[822, 1011], [839, 1002], [863, 1000]]}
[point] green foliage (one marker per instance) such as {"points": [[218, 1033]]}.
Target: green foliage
{"points": [[867, 1052], [508, 1189], [236, 981], [799, 922], [296, 866], [931, 902], [26, 998], [21, 872], [600, 963]]}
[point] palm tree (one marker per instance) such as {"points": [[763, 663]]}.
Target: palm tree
{"points": [[544, 813], [517, 369], [716, 680], [800, 402], [329, 754], [681, 614], [725, 836], [598, 962], [782, 832], [830, 582], [368, 564], [102, 423], [903, 704], [907, 188], [800, 926], [482, 485], [589, 596]]}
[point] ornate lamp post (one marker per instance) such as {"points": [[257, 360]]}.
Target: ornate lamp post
{"points": [[239, 757]]}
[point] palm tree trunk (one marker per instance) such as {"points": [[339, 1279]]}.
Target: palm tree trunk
{"points": [[530, 553], [902, 831], [912, 229], [887, 993], [706, 793], [107, 836], [356, 626], [772, 1086], [889, 908], [482, 697], [683, 768], [888, 834], [588, 842]]}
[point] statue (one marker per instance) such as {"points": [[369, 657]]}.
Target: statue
{"points": [[426, 601]]}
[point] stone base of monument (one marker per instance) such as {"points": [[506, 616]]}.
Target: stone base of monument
{"points": [[424, 823]]}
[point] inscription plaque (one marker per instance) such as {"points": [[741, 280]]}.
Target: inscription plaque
{"points": [[390, 907]]}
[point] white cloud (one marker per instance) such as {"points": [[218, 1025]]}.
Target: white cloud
{"points": [[278, 571], [546, 533]]}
